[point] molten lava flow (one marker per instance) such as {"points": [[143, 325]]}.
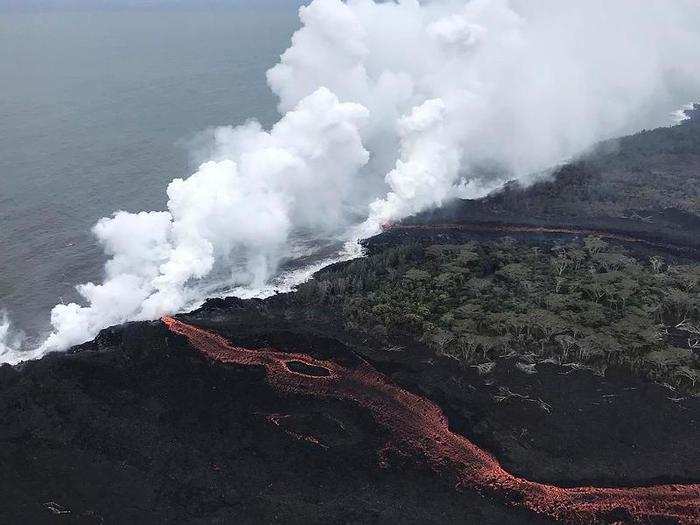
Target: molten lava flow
{"points": [[418, 427]]}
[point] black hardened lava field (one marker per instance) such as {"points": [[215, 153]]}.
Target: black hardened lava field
{"points": [[531, 357]]}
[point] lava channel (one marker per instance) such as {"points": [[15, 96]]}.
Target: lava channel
{"points": [[419, 428]]}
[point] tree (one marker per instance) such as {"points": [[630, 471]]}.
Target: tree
{"points": [[594, 244], [693, 331], [687, 277], [596, 346], [590, 305], [414, 275], [656, 262]]}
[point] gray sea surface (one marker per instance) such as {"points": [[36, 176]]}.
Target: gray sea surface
{"points": [[98, 112]]}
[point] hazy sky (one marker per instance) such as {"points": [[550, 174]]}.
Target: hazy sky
{"points": [[22, 5]]}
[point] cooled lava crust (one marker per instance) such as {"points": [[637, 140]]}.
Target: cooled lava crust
{"points": [[419, 429], [524, 230]]}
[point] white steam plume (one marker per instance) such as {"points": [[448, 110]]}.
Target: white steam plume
{"points": [[11, 342], [680, 115], [237, 212], [452, 85], [390, 108]]}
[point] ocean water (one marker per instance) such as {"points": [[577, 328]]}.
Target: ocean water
{"points": [[98, 112]]}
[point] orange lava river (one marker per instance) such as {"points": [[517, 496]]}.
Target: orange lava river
{"points": [[418, 428]]}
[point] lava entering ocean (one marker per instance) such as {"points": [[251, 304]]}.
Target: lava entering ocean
{"points": [[419, 428]]}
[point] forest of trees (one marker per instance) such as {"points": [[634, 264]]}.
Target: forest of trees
{"points": [[584, 304]]}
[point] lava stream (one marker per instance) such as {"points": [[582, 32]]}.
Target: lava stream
{"points": [[418, 427]]}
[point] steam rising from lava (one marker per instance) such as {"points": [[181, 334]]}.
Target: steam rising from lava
{"points": [[390, 108]]}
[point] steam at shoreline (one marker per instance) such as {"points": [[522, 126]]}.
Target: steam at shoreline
{"points": [[11, 342], [388, 109]]}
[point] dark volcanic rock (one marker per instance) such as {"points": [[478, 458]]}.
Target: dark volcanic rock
{"points": [[147, 431], [645, 185], [615, 430], [137, 427]]}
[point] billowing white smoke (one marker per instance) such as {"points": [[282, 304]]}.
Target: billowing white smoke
{"points": [[390, 108], [238, 211], [454, 85]]}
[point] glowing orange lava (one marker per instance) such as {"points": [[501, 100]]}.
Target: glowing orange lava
{"points": [[419, 428]]}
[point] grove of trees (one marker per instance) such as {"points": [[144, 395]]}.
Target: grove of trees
{"points": [[584, 304]]}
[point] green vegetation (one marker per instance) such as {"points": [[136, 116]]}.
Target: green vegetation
{"points": [[583, 304]]}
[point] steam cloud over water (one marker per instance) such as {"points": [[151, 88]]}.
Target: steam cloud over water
{"points": [[10, 340], [388, 109]]}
